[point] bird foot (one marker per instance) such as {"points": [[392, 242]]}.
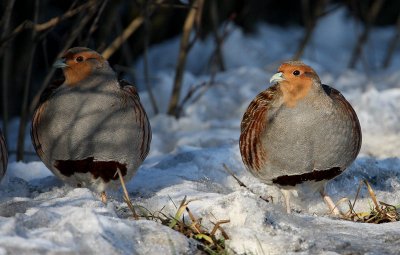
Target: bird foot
{"points": [[333, 209], [286, 195], [103, 197]]}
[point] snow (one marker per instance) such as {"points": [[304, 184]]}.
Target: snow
{"points": [[41, 215]]}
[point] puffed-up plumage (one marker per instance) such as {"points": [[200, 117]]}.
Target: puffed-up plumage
{"points": [[299, 133], [91, 125]]}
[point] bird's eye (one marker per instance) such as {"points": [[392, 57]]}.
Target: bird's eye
{"points": [[296, 72], [79, 59]]}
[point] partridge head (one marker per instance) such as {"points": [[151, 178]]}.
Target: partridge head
{"points": [[299, 133], [92, 125]]}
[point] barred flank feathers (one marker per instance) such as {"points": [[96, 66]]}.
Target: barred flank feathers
{"points": [[142, 118], [253, 124]]}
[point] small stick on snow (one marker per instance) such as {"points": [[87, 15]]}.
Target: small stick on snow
{"points": [[126, 196], [241, 184]]}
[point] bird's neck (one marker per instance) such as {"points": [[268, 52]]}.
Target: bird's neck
{"points": [[88, 78], [294, 92]]}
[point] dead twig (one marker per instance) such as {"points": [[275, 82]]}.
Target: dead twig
{"points": [[6, 65], [310, 20], [199, 89], [24, 107], [27, 24], [184, 48], [146, 56], [93, 27], [363, 38], [126, 195], [241, 184], [394, 42], [129, 30]]}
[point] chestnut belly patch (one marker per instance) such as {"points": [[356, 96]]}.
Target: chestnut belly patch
{"points": [[316, 175], [103, 169]]}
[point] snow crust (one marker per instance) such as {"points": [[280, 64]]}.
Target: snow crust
{"points": [[41, 215]]}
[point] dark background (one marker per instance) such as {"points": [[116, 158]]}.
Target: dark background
{"points": [[32, 36]]}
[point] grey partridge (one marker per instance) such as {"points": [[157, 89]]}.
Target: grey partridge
{"points": [[3, 156], [299, 133], [92, 125]]}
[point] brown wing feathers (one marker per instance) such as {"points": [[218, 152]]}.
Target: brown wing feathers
{"points": [[253, 123]]}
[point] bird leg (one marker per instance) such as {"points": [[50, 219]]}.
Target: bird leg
{"points": [[103, 197], [286, 194], [331, 205]]}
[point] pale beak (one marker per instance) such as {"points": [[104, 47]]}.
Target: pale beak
{"points": [[60, 63], [277, 78]]}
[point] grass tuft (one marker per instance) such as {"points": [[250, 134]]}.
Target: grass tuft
{"points": [[380, 212], [184, 221]]}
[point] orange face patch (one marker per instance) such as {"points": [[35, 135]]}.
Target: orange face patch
{"points": [[298, 82], [79, 67]]}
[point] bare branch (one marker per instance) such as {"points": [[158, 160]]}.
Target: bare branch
{"points": [[310, 23], [27, 24], [114, 46], [363, 38], [392, 45], [146, 56], [25, 94], [93, 27], [183, 51], [6, 66]]}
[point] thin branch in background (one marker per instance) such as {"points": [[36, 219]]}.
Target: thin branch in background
{"points": [[27, 24], [146, 36], [199, 89], [81, 23], [310, 20], [45, 53], [196, 92], [93, 27], [126, 51], [129, 30], [175, 6], [217, 57], [394, 42], [25, 94], [6, 65], [363, 38], [185, 46]]}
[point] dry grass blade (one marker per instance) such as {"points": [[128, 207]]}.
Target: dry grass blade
{"points": [[218, 226], [372, 195], [195, 223], [179, 213], [126, 196], [380, 212], [192, 228]]}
